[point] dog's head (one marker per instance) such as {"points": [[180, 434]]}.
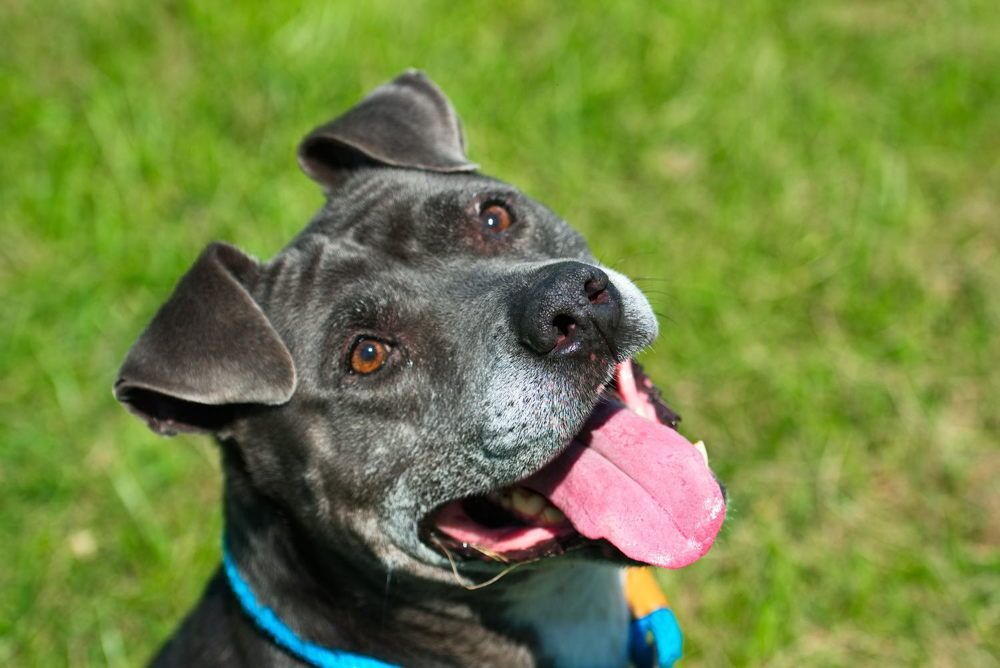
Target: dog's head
{"points": [[435, 367]]}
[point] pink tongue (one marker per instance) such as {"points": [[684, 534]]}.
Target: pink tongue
{"points": [[640, 485]]}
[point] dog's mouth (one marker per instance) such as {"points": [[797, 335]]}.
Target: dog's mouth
{"points": [[628, 484]]}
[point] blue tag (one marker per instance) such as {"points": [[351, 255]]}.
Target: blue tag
{"points": [[655, 640]]}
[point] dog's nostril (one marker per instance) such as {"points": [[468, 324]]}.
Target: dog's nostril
{"points": [[596, 289], [565, 326]]}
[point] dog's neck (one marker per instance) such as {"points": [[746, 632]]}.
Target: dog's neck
{"points": [[564, 614]]}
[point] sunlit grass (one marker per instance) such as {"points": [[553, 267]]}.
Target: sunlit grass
{"points": [[808, 192]]}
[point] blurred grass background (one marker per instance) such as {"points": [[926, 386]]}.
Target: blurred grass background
{"points": [[808, 189]]}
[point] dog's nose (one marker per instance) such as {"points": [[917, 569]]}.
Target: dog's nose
{"points": [[571, 308]]}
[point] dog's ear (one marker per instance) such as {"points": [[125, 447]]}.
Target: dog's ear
{"points": [[407, 122], [209, 349]]}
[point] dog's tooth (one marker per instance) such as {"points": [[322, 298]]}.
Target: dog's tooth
{"points": [[503, 498], [700, 445], [527, 502], [552, 515]]}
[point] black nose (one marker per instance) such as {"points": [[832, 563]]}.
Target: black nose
{"points": [[571, 308]]}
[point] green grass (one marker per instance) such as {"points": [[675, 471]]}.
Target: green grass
{"points": [[811, 192]]}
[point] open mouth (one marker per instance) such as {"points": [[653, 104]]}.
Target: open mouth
{"points": [[628, 484]]}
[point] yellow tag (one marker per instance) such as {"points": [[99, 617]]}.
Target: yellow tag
{"points": [[642, 592]]}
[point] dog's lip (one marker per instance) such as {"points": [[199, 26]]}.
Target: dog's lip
{"points": [[602, 481], [455, 530]]}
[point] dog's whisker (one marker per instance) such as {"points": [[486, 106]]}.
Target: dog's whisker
{"points": [[496, 577], [481, 585], [604, 399], [496, 556]]}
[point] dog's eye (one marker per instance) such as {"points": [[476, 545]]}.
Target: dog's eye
{"points": [[368, 355], [495, 218]]}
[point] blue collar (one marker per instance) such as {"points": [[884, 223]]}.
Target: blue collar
{"points": [[655, 640], [269, 622]]}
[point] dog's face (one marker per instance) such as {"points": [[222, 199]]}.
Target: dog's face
{"points": [[435, 368]]}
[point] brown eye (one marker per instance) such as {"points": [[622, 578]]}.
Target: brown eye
{"points": [[368, 356], [495, 218]]}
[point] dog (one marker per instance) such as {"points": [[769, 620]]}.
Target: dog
{"points": [[436, 448]]}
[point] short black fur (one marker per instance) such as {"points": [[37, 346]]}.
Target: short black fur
{"points": [[329, 474]]}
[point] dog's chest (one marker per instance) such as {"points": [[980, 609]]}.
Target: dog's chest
{"points": [[577, 612]]}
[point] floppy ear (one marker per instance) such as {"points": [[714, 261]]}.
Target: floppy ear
{"points": [[208, 349], [407, 122]]}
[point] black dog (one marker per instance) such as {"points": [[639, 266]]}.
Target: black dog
{"points": [[429, 387]]}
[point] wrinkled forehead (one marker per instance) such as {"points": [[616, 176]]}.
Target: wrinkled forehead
{"points": [[416, 218], [328, 294], [327, 286]]}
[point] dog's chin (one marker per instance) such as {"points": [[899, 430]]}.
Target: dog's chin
{"points": [[594, 499]]}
